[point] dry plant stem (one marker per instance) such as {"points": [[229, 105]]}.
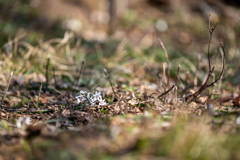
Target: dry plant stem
{"points": [[80, 73], [210, 69], [223, 67], [211, 30], [9, 80], [47, 72], [166, 54], [203, 87], [166, 91], [106, 74]]}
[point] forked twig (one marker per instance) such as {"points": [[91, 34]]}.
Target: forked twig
{"points": [[210, 72]]}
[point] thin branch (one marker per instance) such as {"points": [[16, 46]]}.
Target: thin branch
{"points": [[210, 69], [223, 66], [166, 91], [9, 80], [106, 74]]}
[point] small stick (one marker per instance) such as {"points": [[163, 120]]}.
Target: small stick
{"points": [[9, 80], [166, 54], [106, 74], [166, 91], [80, 73], [47, 72], [55, 81]]}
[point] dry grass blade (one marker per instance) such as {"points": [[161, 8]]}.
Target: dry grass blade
{"points": [[166, 54]]}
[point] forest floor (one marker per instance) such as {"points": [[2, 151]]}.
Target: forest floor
{"points": [[158, 84]]}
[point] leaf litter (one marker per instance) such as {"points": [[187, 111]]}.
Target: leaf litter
{"points": [[52, 119]]}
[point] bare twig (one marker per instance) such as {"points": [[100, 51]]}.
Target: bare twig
{"points": [[166, 54], [210, 69], [47, 72], [9, 80], [211, 30], [106, 74], [223, 66], [80, 73], [166, 91]]}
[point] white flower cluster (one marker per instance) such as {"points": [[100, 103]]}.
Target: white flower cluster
{"points": [[23, 121], [90, 99]]}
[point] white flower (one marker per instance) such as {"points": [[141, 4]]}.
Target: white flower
{"points": [[80, 99], [97, 96], [19, 122], [23, 122], [27, 120], [90, 99], [102, 103], [83, 92], [89, 96]]}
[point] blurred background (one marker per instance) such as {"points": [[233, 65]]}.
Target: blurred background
{"points": [[122, 35]]}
